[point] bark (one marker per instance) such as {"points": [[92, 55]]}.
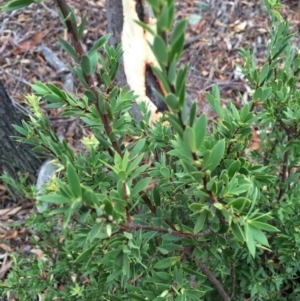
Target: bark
{"points": [[114, 14], [14, 157]]}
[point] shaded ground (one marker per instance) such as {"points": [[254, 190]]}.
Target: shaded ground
{"points": [[217, 29]]}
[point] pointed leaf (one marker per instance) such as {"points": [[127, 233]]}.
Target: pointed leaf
{"points": [[98, 44], [86, 254], [166, 262], [200, 130], [249, 240], [69, 49], [73, 180], [263, 226], [216, 154], [189, 138]]}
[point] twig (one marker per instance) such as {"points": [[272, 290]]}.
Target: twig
{"points": [[214, 281], [233, 279], [283, 174]]}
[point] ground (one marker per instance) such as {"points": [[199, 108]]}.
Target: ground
{"points": [[216, 31]]}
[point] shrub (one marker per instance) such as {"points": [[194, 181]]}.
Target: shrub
{"points": [[180, 212]]}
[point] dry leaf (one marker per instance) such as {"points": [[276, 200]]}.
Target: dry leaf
{"points": [[28, 44], [240, 27], [11, 235], [7, 263], [5, 247]]}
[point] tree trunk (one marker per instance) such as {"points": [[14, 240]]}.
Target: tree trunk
{"points": [[14, 157]]}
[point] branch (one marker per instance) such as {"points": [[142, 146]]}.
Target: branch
{"points": [[283, 174], [214, 281], [89, 79], [233, 279]]}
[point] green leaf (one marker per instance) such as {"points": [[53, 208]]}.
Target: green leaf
{"points": [[263, 226], [89, 198], [216, 154], [95, 231], [16, 4], [163, 21], [156, 196], [108, 207], [90, 95], [81, 27], [165, 172], [259, 236], [89, 63], [240, 203], [134, 297], [189, 138], [237, 232], [106, 79], [141, 185], [215, 100], [257, 94], [160, 50], [249, 240], [69, 49], [73, 180], [86, 254], [126, 266], [200, 222], [172, 72], [196, 207], [200, 130], [172, 103], [266, 92], [80, 76], [67, 217], [128, 235], [263, 73], [98, 44], [233, 168], [132, 165], [137, 148], [166, 262], [40, 88], [176, 124], [53, 98], [85, 65], [120, 189], [55, 199], [114, 298], [20, 130], [125, 160], [177, 40], [193, 113]]}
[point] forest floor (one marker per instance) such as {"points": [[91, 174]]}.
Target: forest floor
{"points": [[217, 29]]}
